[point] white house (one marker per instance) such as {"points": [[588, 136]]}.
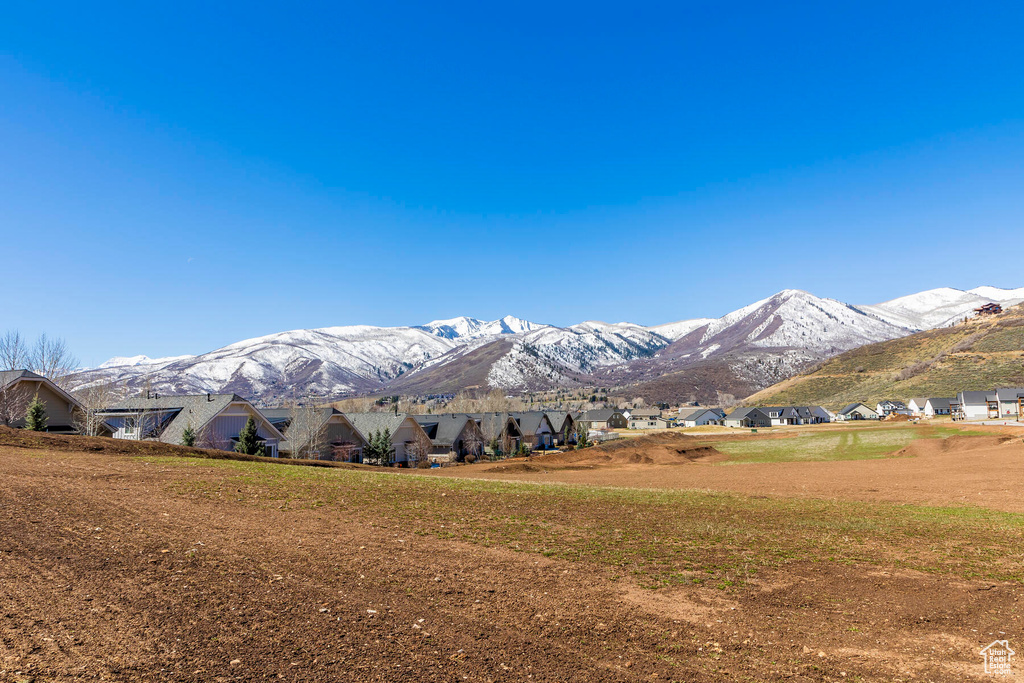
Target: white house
{"points": [[704, 416], [977, 405], [1010, 400], [916, 406], [938, 406], [887, 408]]}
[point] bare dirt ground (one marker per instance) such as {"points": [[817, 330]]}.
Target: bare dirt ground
{"points": [[120, 565], [975, 470]]}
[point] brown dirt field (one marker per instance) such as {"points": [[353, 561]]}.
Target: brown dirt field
{"points": [[986, 471], [117, 566]]}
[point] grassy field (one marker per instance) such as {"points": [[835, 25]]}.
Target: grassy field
{"points": [[658, 538], [853, 442]]}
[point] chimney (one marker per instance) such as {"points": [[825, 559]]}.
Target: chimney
{"points": [[209, 397]]}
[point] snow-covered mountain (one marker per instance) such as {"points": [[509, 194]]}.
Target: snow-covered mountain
{"points": [[755, 345]]}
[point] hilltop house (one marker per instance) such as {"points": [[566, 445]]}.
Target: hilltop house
{"points": [[887, 408], [606, 418], [452, 434], [17, 390], [216, 420], [704, 416], [856, 411], [408, 440], [747, 417]]}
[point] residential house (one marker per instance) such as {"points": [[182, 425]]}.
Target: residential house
{"points": [[538, 432], [888, 407], [318, 434], [1010, 400], [747, 417], [408, 440], [976, 405], [17, 390], [501, 429], [565, 426], [215, 419], [704, 416], [938, 406], [916, 406], [455, 434], [856, 411], [605, 418], [647, 418], [821, 415]]}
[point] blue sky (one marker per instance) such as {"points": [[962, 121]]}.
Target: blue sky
{"points": [[174, 178]]}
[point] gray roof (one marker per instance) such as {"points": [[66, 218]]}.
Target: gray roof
{"points": [[852, 406], [8, 376], [975, 397], [558, 418], [1009, 393], [602, 415], [530, 422], [697, 414], [940, 402], [368, 423], [919, 401], [444, 429], [182, 411], [496, 423], [645, 412], [741, 413]]}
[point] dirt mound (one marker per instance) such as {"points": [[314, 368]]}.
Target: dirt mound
{"points": [[954, 444], [670, 448], [896, 417]]}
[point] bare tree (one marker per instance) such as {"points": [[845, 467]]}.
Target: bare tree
{"points": [[52, 359], [14, 400], [308, 430], [94, 399], [417, 450], [14, 353]]}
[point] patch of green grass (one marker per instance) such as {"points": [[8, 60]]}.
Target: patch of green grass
{"points": [[661, 538], [845, 444]]}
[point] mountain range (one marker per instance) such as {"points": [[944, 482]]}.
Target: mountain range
{"points": [[700, 359]]}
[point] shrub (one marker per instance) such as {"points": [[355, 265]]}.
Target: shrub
{"points": [[470, 458], [423, 464], [35, 417]]}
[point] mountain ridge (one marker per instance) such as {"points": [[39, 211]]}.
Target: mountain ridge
{"points": [[745, 350]]}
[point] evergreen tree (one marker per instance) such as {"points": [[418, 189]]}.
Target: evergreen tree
{"points": [[35, 417], [379, 449], [249, 441], [188, 437]]}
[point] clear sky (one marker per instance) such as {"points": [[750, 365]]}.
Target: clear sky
{"points": [[179, 176]]}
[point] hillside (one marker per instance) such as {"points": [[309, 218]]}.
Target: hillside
{"points": [[979, 354]]}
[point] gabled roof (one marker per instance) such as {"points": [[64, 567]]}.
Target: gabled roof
{"points": [[645, 412], [8, 377], [698, 414], [940, 402], [918, 401], [195, 410], [853, 406], [530, 422], [749, 411], [1009, 393], [496, 423], [558, 418], [444, 429], [368, 423], [601, 415], [975, 397]]}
